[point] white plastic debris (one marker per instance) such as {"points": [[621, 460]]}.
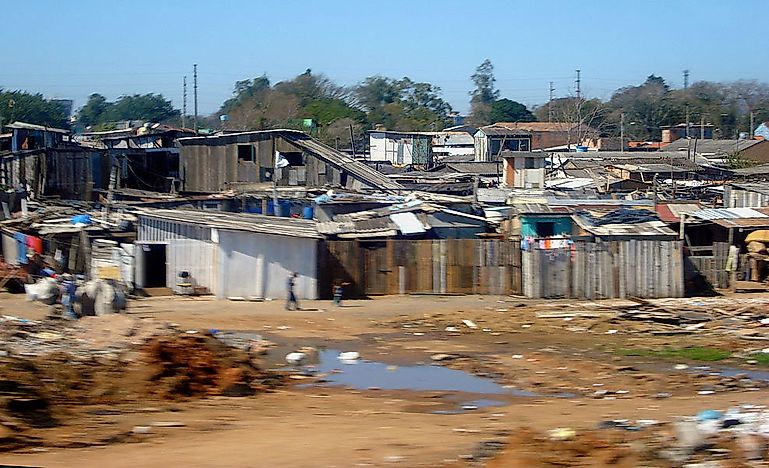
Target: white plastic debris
{"points": [[295, 358], [470, 324], [349, 356]]}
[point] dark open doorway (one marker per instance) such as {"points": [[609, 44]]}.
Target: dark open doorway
{"points": [[154, 265]]}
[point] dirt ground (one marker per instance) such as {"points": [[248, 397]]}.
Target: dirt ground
{"points": [[569, 372]]}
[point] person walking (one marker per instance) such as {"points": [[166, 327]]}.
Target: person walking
{"points": [[338, 291], [291, 302]]}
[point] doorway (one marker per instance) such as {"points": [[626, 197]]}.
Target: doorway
{"points": [[154, 265]]}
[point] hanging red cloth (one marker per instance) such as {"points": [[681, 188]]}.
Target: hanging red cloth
{"points": [[35, 244]]}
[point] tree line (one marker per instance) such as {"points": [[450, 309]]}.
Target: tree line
{"points": [[313, 102]]}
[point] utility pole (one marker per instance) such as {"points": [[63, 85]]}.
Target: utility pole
{"points": [[352, 142], [184, 102], [686, 86], [195, 94], [752, 124], [702, 127], [622, 131], [550, 104], [578, 83]]}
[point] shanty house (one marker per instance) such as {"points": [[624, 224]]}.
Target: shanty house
{"points": [[285, 157], [227, 254], [524, 169], [546, 135], [24, 136], [401, 148], [492, 140], [43, 161], [746, 195]]}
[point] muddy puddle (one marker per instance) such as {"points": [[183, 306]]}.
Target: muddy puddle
{"points": [[362, 374], [464, 391]]}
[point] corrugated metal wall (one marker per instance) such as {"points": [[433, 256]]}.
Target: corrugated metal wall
{"points": [[158, 230], [738, 198], [258, 265], [600, 270]]}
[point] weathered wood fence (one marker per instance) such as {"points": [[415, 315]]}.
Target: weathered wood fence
{"points": [[711, 267], [599, 270], [453, 266]]}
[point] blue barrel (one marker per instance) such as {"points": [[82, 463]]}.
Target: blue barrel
{"points": [[308, 212]]}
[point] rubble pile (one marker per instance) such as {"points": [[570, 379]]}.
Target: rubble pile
{"points": [[47, 368], [735, 437]]}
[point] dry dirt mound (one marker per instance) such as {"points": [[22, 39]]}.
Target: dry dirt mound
{"points": [[48, 367]]}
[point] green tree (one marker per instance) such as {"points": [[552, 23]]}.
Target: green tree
{"points": [[649, 105], [484, 94], [246, 91], [506, 110], [94, 111], [402, 104], [21, 106], [149, 107]]}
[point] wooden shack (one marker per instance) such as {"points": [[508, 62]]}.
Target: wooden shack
{"points": [[222, 162]]}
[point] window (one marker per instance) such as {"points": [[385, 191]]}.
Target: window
{"points": [[245, 153], [530, 163], [293, 158], [545, 229]]}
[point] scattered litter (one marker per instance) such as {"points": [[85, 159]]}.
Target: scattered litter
{"points": [[470, 324], [295, 358], [562, 433], [348, 356]]}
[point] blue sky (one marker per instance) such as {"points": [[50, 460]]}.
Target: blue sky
{"points": [[73, 48]]}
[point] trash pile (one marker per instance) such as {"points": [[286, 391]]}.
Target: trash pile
{"points": [[49, 367], [735, 437]]}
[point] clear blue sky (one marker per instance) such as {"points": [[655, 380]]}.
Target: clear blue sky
{"points": [[77, 47]]}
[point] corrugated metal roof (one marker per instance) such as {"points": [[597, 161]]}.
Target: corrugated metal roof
{"points": [[237, 222], [712, 214], [743, 222], [570, 183], [29, 126], [373, 177], [408, 223], [649, 228], [711, 146], [493, 130], [480, 168]]}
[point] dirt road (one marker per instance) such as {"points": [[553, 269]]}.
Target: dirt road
{"points": [[533, 374]]}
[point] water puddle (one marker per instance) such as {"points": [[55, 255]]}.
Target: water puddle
{"points": [[362, 375], [733, 371]]}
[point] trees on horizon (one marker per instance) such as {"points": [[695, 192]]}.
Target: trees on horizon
{"points": [[380, 102]]}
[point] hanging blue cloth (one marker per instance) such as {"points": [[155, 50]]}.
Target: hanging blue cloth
{"points": [[21, 241]]}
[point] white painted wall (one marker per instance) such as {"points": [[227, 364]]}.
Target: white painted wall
{"points": [[258, 265], [384, 147], [195, 256]]}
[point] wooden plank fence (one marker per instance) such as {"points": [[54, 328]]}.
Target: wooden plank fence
{"points": [[712, 267], [452, 266], [601, 270]]}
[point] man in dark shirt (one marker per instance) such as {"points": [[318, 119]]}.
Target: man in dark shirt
{"points": [[291, 302]]}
